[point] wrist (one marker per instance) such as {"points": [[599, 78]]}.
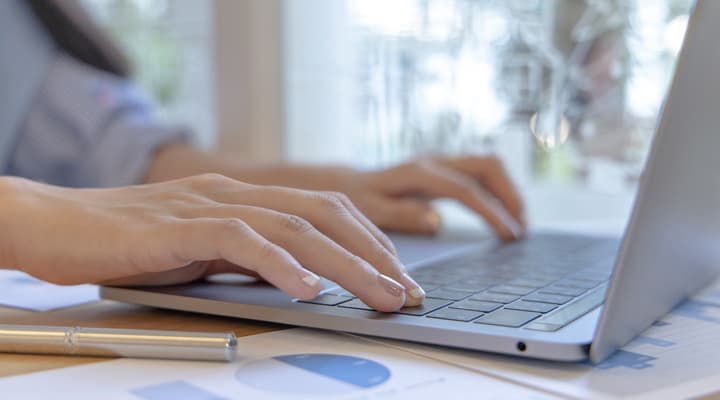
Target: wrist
{"points": [[9, 193]]}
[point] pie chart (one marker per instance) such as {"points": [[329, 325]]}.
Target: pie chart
{"points": [[317, 374]]}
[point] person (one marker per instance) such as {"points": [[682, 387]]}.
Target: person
{"points": [[94, 190]]}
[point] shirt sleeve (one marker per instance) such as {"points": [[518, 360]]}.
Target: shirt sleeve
{"points": [[87, 128]]}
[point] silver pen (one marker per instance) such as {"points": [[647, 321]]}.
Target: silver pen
{"points": [[101, 342]]}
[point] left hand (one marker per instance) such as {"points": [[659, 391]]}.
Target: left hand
{"points": [[395, 199], [398, 198]]}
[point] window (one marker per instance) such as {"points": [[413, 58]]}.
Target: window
{"points": [[566, 91], [169, 43]]}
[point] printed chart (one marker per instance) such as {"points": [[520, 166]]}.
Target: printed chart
{"points": [[295, 364], [313, 374]]}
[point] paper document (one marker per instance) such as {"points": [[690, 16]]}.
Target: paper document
{"points": [[20, 290], [677, 357], [290, 364]]}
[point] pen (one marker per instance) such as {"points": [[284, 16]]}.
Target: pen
{"points": [[101, 342]]}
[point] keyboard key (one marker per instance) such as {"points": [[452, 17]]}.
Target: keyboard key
{"points": [[484, 279], [468, 287], [473, 305], [495, 297], [434, 279], [428, 306], [592, 275], [448, 294], [326, 300], [548, 298], [455, 314], [428, 286], [531, 306], [358, 304], [341, 292], [571, 312], [529, 282], [509, 289], [578, 283], [509, 318], [565, 291]]}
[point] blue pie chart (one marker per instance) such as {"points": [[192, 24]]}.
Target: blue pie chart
{"points": [[315, 374]]}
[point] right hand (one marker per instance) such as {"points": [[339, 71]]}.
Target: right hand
{"points": [[183, 230]]}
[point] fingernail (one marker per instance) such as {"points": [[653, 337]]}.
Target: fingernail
{"points": [[416, 292], [432, 221], [311, 280], [523, 222], [390, 285], [517, 229]]}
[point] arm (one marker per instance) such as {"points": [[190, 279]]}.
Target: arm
{"points": [[182, 230]]}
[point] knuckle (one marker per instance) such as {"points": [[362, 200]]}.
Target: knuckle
{"points": [[182, 197], [494, 162], [344, 199], [233, 226], [209, 180], [354, 260], [383, 257], [411, 167], [268, 250], [420, 165], [295, 224], [465, 191], [329, 203], [426, 168]]}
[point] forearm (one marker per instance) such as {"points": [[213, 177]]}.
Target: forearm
{"points": [[6, 209], [180, 160]]}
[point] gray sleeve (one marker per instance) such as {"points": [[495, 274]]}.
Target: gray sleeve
{"points": [[87, 128], [26, 53]]}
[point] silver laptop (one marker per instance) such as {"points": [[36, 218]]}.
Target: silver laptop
{"points": [[557, 297]]}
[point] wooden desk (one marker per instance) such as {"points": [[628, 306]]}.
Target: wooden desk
{"points": [[110, 314]]}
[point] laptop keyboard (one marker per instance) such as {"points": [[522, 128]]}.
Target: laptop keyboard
{"points": [[541, 283]]}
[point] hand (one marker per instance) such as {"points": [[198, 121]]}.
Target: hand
{"points": [[398, 198], [182, 230], [394, 199]]}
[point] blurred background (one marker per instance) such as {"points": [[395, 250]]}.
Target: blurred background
{"points": [[567, 92]]}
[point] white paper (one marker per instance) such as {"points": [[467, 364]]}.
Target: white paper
{"points": [[258, 374], [677, 357], [20, 290]]}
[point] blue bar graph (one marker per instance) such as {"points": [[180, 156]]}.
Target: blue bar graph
{"points": [[174, 390], [653, 341], [699, 310], [627, 359]]}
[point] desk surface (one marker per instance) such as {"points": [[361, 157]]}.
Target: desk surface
{"points": [[108, 314]]}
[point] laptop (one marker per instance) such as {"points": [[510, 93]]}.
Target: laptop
{"points": [[549, 296]]}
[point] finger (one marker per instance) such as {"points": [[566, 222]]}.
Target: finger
{"points": [[323, 255], [350, 233], [405, 215], [491, 173], [328, 258], [233, 240], [327, 212], [438, 181], [371, 227], [287, 200]]}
